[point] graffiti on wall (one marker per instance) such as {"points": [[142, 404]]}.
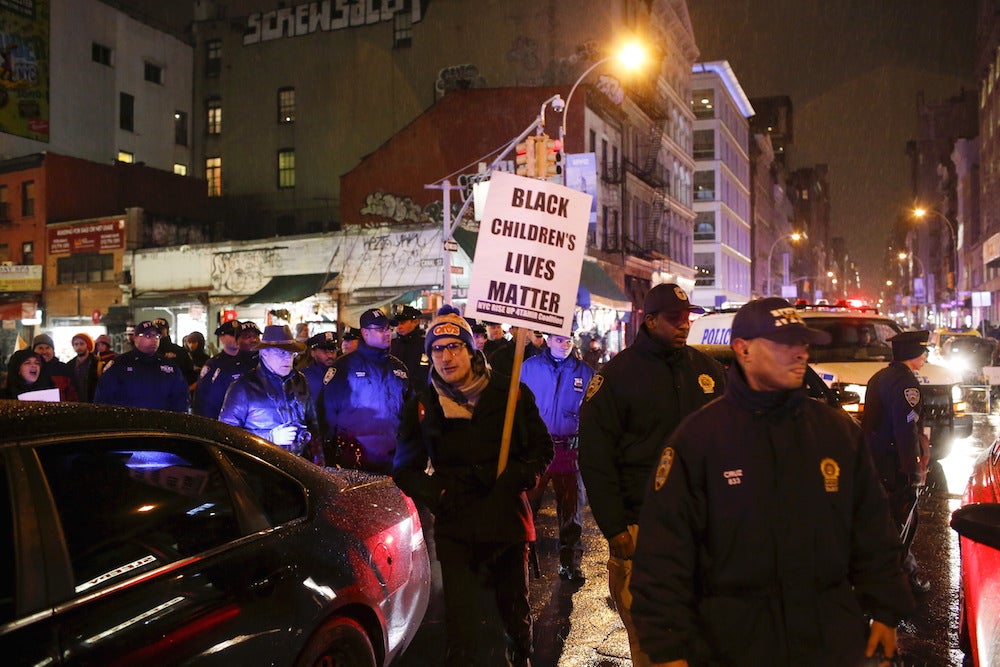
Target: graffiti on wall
{"points": [[395, 208], [326, 16], [458, 77], [241, 272]]}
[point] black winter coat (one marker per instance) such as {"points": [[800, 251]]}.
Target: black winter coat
{"points": [[476, 506]]}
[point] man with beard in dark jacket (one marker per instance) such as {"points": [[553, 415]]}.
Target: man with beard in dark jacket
{"points": [[273, 401], [766, 538], [629, 409], [408, 346], [482, 521], [361, 402]]}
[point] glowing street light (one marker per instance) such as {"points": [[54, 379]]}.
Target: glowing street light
{"points": [[631, 57], [794, 237], [920, 212]]}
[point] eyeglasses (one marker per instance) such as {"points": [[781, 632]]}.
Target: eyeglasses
{"points": [[378, 329], [453, 348]]}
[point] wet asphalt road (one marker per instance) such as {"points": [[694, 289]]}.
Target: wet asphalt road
{"points": [[576, 625]]}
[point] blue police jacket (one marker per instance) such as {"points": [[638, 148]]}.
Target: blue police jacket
{"points": [[216, 375], [363, 400], [558, 386], [138, 380]]}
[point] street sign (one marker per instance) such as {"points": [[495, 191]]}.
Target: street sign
{"points": [[529, 254], [451, 245]]}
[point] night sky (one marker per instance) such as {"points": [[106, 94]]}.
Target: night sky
{"points": [[853, 69]]}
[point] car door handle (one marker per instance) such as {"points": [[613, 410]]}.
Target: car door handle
{"points": [[266, 584]]}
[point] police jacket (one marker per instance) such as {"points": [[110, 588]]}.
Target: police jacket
{"points": [[138, 380], [177, 354], [765, 537], [558, 386], [260, 401], [629, 410], [410, 350], [362, 401], [216, 375], [891, 421], [317, 375], [470, 504]]}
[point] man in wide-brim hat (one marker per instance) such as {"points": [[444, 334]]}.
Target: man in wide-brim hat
{"points": [[273, 400]]}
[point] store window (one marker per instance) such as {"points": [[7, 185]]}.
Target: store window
{"points": [[704, 185], [85, 268], [704, 267], [286, 105]]}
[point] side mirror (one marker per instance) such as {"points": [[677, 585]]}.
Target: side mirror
{"points": [[848, 397], [980, 522]]}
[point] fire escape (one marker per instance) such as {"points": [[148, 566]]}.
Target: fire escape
{"points": [[654, 241]]}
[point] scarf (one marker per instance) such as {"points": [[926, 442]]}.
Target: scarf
{"points": [[459, 402]]}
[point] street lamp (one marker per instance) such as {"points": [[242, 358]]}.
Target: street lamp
{"points": [[794, 237], [919, 213], [631, 56]]}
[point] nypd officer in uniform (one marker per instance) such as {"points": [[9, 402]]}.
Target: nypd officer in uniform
{"points": [[168, 349], [221, 371], [629, 409], [408, 346], [893, 427], [765, 538], [323, 349], [142, 379]]}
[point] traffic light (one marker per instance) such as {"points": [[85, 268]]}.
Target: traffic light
{"points": [[548, 151], [526, 159]]}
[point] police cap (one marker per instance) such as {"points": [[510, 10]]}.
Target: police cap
{"points": [[909, 345]]}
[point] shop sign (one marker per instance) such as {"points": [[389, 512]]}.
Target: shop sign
{"points": [[95, 236], [21, 278]]}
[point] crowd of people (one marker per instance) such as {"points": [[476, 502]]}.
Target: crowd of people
{"points": [[745, 522]]}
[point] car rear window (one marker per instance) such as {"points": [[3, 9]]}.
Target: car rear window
{"points": [[852, 339], [128, 505], [279, 497]]}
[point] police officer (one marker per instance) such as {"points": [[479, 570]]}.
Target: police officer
{"points": [[558, 378], [351, 339], [495, 339], [629, 409], [361, 403], [248, 337], [893, 427], [765, 538], [221, 371], [174, 352], [408, 346], [323, 350], [142, 379]]}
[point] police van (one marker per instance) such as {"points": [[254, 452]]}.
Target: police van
{"points": [[857, 350]]}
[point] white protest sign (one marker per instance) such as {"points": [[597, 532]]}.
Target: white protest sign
{"points": [[529, 254]]}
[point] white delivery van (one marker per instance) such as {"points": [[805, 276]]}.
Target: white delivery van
{"points": [[859, 349]]}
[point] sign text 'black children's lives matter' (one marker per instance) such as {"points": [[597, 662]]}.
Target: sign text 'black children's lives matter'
{"points": [[529, 254]]}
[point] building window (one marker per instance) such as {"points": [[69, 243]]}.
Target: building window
{"points": [[27, 253], [703, 103], [704, 144], [704, 185], [126, 112], [213, 174], [85, 268], [153, 73], [126, 157], [28, 198], [213, 57], [214, 118], [704, 269], [286, 168], [180, 169], [704, 226], [100, 54], [402, 30], [180, 128], [4, 204], [286, 105], [4, 252]]}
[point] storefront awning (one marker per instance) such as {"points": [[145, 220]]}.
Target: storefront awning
{"points": [[289, 289], [598, 288], [467, 240]]}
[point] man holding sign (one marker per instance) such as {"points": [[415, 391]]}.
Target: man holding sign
{"points": [[482, 522]]}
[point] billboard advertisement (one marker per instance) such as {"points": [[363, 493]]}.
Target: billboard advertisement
{"points": [[24, 68]]}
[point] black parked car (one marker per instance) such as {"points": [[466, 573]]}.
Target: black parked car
{"points": [[132, 537]]}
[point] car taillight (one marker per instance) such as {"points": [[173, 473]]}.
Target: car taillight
{"points": [[416, 530]]}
